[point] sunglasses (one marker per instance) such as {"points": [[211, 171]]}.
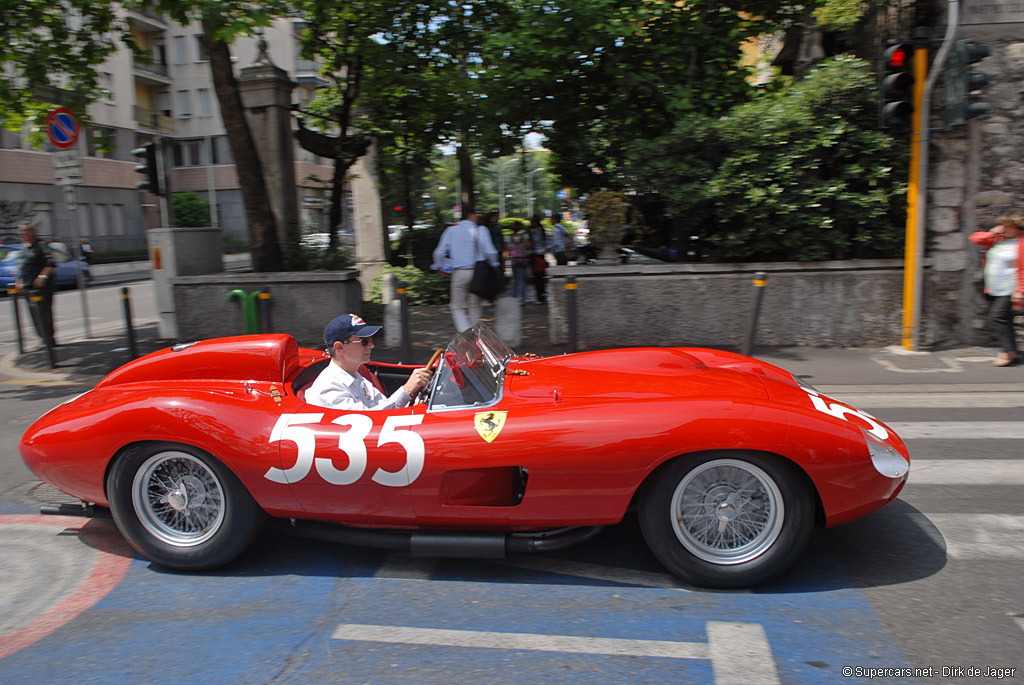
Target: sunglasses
{"points": [[362, 341]]}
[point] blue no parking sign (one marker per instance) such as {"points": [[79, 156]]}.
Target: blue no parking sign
{"points": [[62, 128]]}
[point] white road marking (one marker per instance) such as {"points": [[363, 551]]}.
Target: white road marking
{"points": [[1019, 620], [739, 652], [966, 472], [953, 430], [977, 536], [942, 400]]}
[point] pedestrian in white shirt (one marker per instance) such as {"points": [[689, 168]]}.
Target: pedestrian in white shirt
{"points": [[461, 247], [559, 241], [341, 386]]}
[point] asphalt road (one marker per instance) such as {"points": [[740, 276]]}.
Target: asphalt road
{"points": [[931, 583]]}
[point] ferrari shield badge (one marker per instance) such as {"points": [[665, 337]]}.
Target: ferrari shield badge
{"points": [[489, 424]]}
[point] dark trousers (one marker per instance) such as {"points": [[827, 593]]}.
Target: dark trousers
{"points": [[40, 305], [1001, 315], [539, 286]]}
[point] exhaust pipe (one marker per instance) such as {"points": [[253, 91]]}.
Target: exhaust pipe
{"points": [[455, 544]]}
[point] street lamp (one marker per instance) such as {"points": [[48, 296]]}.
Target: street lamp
{"points": [[529, 192], [501, 186]]}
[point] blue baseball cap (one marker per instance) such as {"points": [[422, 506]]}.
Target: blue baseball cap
{"points": [[343, 327]]}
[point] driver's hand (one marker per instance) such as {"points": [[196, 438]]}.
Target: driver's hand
{"points": [[417, 381]]}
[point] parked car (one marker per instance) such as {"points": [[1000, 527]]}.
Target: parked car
{"points": [[67, 268], [728, 461]]}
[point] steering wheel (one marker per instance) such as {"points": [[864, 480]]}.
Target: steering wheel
{"points": [[422, 396]]}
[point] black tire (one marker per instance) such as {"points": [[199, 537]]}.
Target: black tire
{"points": [[750, 516], [181, 507]]}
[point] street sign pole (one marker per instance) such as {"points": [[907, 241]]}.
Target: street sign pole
{"points": [[63, 130]]}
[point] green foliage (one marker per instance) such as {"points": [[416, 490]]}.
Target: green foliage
{"points": [[807, 176], [232, 244], [190, 210], [423, 287], [606, 215], [420, 243], [799, 173]]}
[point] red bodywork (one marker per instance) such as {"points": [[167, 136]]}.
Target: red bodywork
{"points": [[581, 433]]}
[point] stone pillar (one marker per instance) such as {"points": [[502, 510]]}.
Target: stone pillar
{"points": [[369, 221], [266, 93]]}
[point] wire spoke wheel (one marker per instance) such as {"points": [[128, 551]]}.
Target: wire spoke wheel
{"points": [[727, 511], [178, 499], [728, 518]]}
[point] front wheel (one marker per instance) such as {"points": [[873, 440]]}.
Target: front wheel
{"points": [[181, 507], [727, 520]]}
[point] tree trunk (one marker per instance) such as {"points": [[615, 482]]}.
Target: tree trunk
{"points": [[468, 198], [266, 250]]}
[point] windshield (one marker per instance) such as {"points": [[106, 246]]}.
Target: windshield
{"points": [[471, 370]]}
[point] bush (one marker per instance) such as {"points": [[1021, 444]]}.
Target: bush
{"points": [[423, 287], [190, 210]]}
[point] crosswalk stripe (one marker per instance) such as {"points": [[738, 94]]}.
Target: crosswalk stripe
{"points": [[976, 536], [955, 430], [739, 652], [966, 472], [989, 400]]}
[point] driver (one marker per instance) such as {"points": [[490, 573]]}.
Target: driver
{"points": [[340, 385]]}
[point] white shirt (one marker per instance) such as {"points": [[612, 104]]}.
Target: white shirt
{"points": [[336, 388], [1001, 267], [465, 244]]}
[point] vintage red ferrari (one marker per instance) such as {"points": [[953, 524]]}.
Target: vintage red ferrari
{"points": [[728, 461]]}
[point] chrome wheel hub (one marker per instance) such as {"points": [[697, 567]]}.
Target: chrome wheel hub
{"points": [[178, 499], [727, 511]]}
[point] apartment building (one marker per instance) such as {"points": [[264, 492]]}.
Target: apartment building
{"points": [[171, 98]]}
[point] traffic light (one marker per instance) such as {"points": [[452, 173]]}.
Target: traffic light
{"points": [[963, 83], [148, 167], [897, 90]]}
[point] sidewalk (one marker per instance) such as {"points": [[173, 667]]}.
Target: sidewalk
{"points": [[856, 369]]}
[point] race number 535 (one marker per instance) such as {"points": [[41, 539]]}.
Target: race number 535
{"points": [[353, 444]]}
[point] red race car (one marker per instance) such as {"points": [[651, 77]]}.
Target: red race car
{"points": [[728, 461]]}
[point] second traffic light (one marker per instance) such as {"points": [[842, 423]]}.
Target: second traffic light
{"points": [[148, 167], [897, 90]]}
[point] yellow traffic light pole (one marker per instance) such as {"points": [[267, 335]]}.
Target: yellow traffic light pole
{"points": [[917, 200], [912, 255]]}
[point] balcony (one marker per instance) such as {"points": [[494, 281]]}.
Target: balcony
{"points": [[147, 21], [151, 73], [154, 121]]}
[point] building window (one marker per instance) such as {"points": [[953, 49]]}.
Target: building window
{"points": [[180, 50], [163, 101], [107, 83], [184, 105], [202, 54], [203, 96], [195, 153], [43, 219], [117, 219]]}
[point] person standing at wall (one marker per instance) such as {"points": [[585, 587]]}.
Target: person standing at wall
{"points": [[36, 277], [538, 262], [560, 241], [1004, 280], [462, 246]]}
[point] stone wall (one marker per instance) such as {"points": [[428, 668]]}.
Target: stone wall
{"points": [[301, 303], [976, 173], [820, 304]]}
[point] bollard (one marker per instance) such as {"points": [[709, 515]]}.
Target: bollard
{"points": [[570, 310], [250, 314], [126, 300], [13, 293], [402, 291], [266, 322], [755, 311]]}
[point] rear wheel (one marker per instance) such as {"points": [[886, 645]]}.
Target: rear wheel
{"points": [[728, 519], [181, 507]]}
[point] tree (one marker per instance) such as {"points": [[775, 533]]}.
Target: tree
{"points": [[50, 53], [222, 22]]}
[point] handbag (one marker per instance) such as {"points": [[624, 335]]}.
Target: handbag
{"points": [[485, 279]]}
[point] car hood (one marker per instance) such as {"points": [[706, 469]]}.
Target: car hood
{"points": [[641, 373]]}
